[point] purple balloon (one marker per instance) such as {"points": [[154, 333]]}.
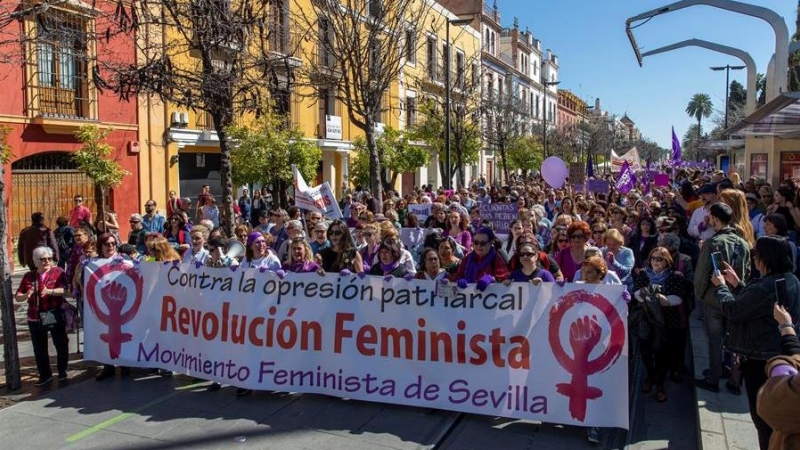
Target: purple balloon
{"points": [[555, 172]]}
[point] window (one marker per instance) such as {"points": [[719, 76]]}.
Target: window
{"points": [[432, 59], [279, 27], [375, 8], [411, 111], [327, 103], [325, 42], [461, 63], [535, 68], [475, 75], [61, 65], [281, 103], [411, 47]]}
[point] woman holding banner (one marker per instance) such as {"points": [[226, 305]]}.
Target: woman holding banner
{"points": [[258, 254], [389, 264], [342, 255], [447, 256], [431, 266], [301, 258], [484, 264]]}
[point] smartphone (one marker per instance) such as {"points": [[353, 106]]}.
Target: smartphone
{"points": [[716, 261], [780, 291]]}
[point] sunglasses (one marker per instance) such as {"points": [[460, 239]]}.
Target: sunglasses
{"points": [[480, 243], [135, 221], [335, 232], [598, 231], [149, 204], [562, 241], [578, 236], [657, 259], [45, 259], [526, 255]]}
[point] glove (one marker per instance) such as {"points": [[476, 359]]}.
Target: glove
{"points": [[262, 269], [197, 264], [280, 273], [626, 296], [444, 281], [165, 263], [233, 267], [387, 278], [408, 277], [362, 275], [561, 283], [345, 273], [462, 283], [484, 282], [783, 370], [176, 262]]}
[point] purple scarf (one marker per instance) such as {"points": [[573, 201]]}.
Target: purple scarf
{"points": [[474, 268], [369, 257], [389, 268], [302, 266]]}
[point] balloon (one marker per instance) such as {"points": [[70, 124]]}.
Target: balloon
{"points": [[554, 172]]}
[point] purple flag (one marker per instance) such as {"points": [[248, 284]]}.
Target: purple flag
{"points": [[676, 146], [626, 180], [589, 167]]}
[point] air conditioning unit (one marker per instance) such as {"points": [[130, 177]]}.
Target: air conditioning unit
{"points": [[184, 119], [134, 147], [175, 119]]}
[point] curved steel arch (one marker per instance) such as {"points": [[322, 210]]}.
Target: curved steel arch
{"points": [[748, 61], [779, 76]]}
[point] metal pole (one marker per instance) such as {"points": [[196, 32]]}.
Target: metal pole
{"points": [[727, 94], [447, 109]]}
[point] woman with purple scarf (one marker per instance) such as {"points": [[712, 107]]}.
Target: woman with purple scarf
{"points": [[300, 258], [369, 252], [388, 263], [484, 265]]}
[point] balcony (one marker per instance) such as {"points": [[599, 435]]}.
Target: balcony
{"points": [[489, 11], [283, 46]]}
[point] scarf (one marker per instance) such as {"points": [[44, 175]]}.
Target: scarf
{"points": [[389, 268], [473, 268], [299, 266], [657, 278]]}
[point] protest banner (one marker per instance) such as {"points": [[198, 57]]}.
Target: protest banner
{"points": [[412, 237], [551, 353], [319, 198], [422, 210], [598, 186], [500, 214], [577, 174]]}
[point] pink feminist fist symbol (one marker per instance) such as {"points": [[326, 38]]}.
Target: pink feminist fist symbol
{"points": [[584, 336], [115, 297]]}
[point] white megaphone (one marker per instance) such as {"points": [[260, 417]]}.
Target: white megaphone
{"points": [[234, 251]]}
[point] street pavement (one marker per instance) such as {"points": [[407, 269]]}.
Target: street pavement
{"points": [[145, 411]]}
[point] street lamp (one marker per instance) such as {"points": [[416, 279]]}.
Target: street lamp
{"points": [[545, 84], [727, 68], [458, 22]]}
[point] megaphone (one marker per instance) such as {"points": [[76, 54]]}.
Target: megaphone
{"points": [[235, 250]]}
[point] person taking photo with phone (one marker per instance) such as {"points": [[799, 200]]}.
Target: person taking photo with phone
{"points": [[749, 310]]}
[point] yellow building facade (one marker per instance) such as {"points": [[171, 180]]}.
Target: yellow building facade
{"points": [[180, 148]]}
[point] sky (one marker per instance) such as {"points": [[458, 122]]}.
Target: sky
{"points": [[596, 59]]}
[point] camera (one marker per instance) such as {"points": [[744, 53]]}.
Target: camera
{"points": [[654, 289]]}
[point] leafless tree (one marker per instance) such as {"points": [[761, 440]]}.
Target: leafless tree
{"points": [[360, 47], [219, 57], [506, 118]]}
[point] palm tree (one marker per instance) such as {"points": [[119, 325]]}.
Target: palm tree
{"points": [[699, 106]]}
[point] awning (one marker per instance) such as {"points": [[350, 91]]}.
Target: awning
{"points": [[780, 118], [722, 144]]}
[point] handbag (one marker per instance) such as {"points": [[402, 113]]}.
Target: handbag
{"points": [[49, 319]]}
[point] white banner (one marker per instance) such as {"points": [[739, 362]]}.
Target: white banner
{"points": [[421, 210], [319, 198], [547, 353]]}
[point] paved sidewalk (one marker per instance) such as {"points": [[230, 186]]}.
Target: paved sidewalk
{"points": [[723, 419]]}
